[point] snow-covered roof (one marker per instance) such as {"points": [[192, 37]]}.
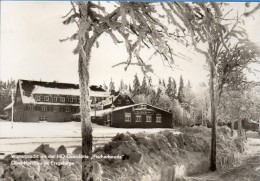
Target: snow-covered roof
{"points": [[60, 91], [67, 89], [72, 92], [108, 100], [9, 106], [109, 110], [55, 91]]}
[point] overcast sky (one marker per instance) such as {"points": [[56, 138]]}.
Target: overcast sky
{"points": [[30, 48]]}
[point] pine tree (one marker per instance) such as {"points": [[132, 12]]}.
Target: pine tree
{"points": [[158, 94], [174, 88], [136, 85], [111, 85], [152, 97], [121, 86], [160, 82], [163, 83], [181, 92], [130, 89], [150, 81], [105, 86], [169, 90], [144, 86]]}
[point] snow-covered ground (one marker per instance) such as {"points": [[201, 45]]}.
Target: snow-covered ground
{"points": [[247, 170], [26, 136]]}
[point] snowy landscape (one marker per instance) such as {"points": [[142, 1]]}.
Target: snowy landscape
{"points": [[123, 91], [26, 136]]}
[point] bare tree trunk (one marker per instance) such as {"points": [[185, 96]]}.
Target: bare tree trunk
{"points": [[213, 165]]}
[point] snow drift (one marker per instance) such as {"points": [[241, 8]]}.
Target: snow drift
{"points": [[142, 156]]}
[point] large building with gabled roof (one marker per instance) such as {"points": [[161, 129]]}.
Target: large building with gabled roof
{"points": [[50, 101]]}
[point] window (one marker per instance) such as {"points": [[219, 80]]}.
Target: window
{"points": [[55, 109], [71, 99], [75, 99], [158, 118], [55, 99], [127, 102], [138, 118], [143, 106], [31, 108], [44, 108], [148, 118], [67, 109], [62, 99], [127, 117], [38, 98], [78, 109], [42, 118], [46, 98]]}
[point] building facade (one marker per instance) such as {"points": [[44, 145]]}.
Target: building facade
{"points": [[50, 101], [134, 116]]}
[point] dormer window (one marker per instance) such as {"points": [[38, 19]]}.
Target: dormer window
{"points": [[62, 99], [38, 98], [46, 98]]}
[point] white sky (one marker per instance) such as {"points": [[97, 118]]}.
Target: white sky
{"points": [[30, 48]]}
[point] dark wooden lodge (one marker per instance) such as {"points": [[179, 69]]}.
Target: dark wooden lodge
{"points": [[134, 116]]}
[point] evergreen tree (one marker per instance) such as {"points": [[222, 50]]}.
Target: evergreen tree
{"points": [[158, 94], [174, 89], [152, 97], [136, 85], [181, 91], [6, 93], [121, 86], [168, 90], [160, 82], [150, 81], [105, 86], [144, 86], [111, 85], [129, 89], [163, 83], [171, 88]]}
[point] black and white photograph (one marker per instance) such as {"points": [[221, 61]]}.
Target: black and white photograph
{"points": [[129, 91]]}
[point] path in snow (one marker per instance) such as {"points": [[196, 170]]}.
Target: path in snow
{"points": [[247, 170]]}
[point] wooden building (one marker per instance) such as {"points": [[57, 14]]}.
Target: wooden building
{"points": [[116, 99], [134, 116], [50, 101]]}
